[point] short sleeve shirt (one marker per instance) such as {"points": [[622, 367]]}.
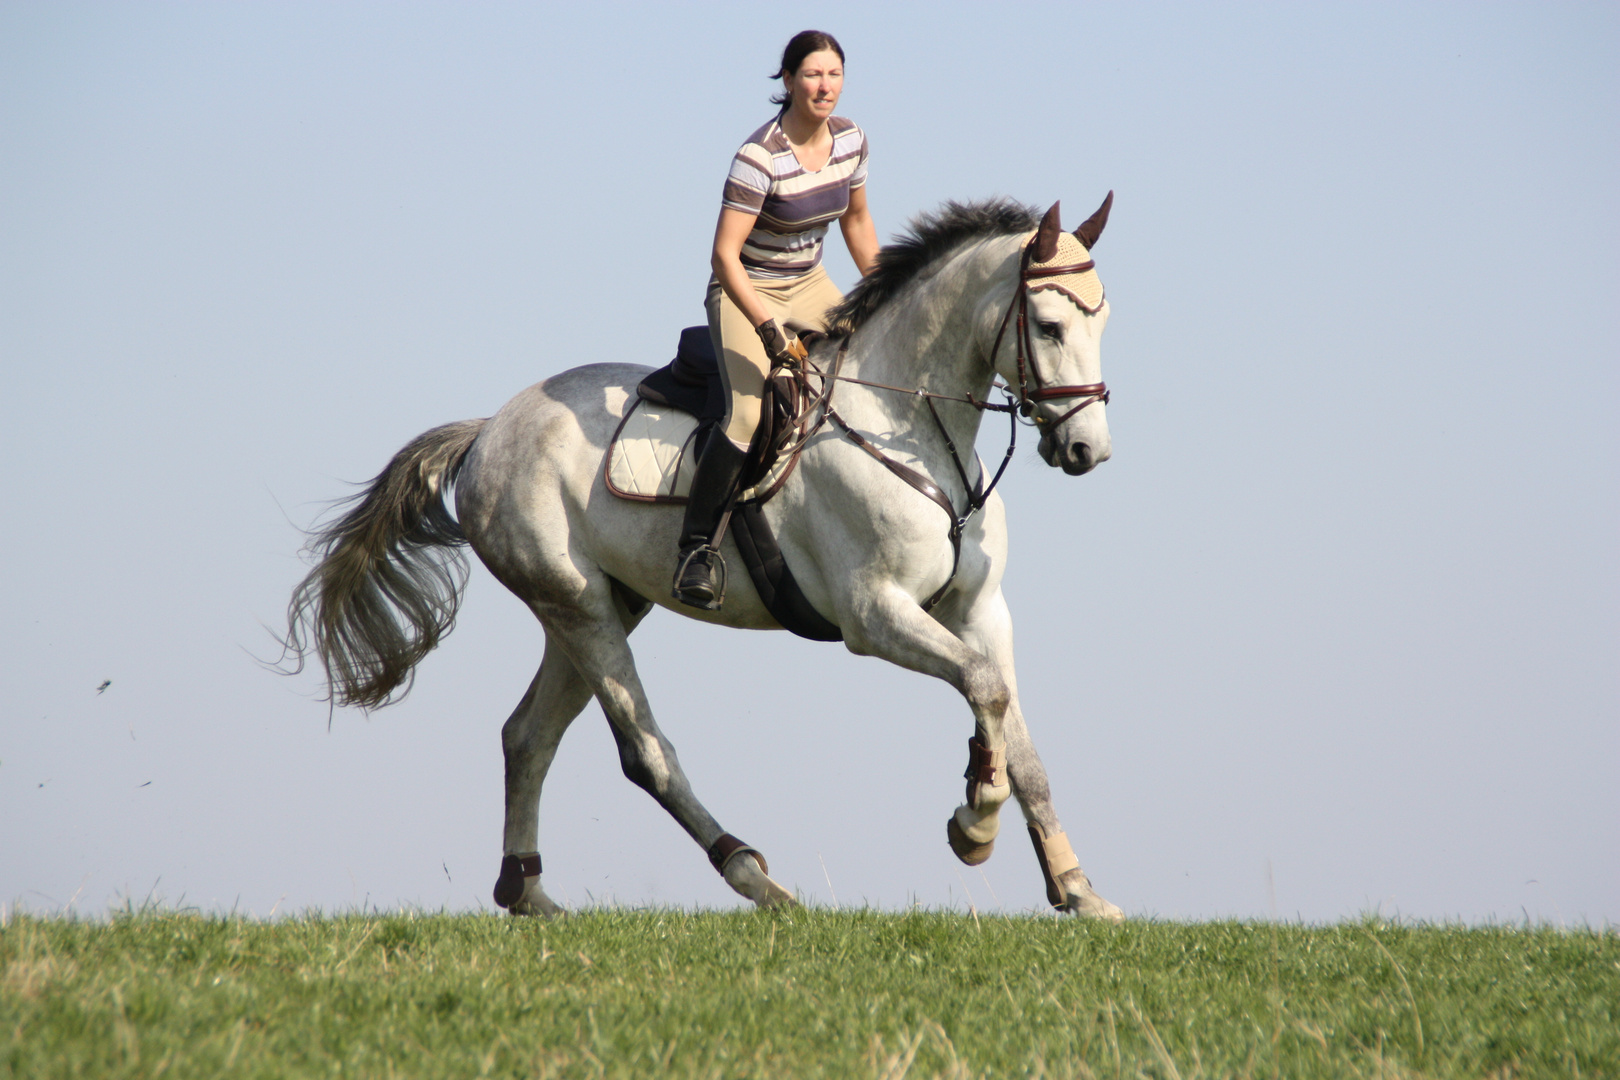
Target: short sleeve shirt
{"points": [[793, 206]]}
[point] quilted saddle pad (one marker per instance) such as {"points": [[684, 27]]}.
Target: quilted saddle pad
{"points": [[652, 456]]}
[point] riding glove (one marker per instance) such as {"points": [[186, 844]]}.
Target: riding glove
{"points": [[782, 346]]}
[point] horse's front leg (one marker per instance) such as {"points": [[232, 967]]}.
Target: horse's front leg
{"points": [[893, 626], [988, 629]]}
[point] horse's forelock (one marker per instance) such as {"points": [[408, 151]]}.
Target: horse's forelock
{"points": [[928, 238]]}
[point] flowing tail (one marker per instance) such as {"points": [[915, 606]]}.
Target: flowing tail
{"points": [[388, 574]]}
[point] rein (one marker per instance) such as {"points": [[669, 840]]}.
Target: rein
{"points": [[1023, 405]]}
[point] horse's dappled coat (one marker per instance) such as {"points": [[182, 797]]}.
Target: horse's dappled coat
{"points": [[531, 499]]}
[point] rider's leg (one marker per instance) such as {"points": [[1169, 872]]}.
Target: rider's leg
{"points": [[743, 368], [809, 297], [743, 363], [713, 483]]}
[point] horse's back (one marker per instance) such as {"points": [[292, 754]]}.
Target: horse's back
{"points": [[541, 451]]}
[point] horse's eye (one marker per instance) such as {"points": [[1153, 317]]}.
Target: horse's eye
{"points": [[1052, 330]]}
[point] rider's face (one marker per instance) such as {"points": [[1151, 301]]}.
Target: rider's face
{"points": [[815, 87]]}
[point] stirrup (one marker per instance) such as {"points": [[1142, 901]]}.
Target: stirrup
{"points": [[683, 592]]}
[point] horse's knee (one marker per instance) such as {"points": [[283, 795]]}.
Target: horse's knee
{"points": [[985, 689], [516, 738]]}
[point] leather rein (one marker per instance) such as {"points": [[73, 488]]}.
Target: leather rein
{"points": [[1022, 405]]}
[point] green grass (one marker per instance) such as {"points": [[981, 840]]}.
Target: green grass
{"points": [[814, 993]]}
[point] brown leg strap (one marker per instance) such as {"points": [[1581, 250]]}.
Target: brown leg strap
{"points": [[1056, 858], [723, 849], [514, 868], [986, 767]]}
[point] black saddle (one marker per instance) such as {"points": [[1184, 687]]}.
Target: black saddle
{"points": [[690, 382]]}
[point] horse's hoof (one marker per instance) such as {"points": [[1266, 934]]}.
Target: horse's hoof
{"points": [[743, 874], [1081, 899], [542, 908], [968, 850], [531, 900], [518, 872]]}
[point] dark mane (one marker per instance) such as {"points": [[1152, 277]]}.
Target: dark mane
{"points": [[930, 236]]}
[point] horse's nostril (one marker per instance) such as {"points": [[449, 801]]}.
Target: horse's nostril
{"points": [[1082, 454]]}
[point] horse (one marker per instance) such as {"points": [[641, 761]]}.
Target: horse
{"points": [[967, 300]]}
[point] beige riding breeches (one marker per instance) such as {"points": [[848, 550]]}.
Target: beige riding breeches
{"points": [[743, 363]]}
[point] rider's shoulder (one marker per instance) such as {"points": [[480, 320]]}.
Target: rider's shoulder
{"points": [[769, 135]]}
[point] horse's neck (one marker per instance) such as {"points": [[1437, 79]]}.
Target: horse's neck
{"points": [[929, 339]]}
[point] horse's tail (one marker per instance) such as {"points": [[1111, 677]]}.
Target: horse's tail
{"points": [[388, 574]]}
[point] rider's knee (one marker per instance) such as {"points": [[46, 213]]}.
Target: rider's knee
{"points": [[743, 419]]}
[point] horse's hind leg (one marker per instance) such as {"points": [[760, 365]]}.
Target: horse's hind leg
{"points": [[529, 740], [600, 650]]}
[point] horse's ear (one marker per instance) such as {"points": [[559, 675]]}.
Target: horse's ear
{"points": [[1092, 227], [1046, 240]]}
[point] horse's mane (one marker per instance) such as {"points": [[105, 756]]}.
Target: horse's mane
{"points": [[928, 238]]}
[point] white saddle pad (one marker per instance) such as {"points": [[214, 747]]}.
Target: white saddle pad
{"points": [[651, 458]]}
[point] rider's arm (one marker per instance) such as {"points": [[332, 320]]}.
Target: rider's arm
{"points": [[729, 233], [860, 235]]}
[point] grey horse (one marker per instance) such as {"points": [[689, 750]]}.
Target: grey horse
{"points": [[871, 555]]}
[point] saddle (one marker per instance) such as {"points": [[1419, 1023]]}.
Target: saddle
{"points": [[692, 384], [657, 443]]}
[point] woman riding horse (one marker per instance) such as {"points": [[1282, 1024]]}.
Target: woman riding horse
{"points": [[800, 171]]}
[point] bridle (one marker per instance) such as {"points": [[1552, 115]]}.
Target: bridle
{"points": [[1027, 371], [1024, 356], [1031, 392]]}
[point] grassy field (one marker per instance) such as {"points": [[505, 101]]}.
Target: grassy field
{"points": [[812, 993]]}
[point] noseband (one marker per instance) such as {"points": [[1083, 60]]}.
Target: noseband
{"points": [[1028, 373]]}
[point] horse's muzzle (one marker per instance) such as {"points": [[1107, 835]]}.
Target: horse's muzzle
{"points": [[1075, 458]]}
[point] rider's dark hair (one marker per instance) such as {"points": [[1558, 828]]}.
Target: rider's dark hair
{"points": [[800, 46]]}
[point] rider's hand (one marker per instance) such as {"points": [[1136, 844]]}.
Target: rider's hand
{"points": [[782, 346]]}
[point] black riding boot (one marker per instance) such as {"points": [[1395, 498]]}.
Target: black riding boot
{"points": [[712, 484]]}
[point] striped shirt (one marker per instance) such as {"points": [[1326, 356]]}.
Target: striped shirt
{"points": [[793, 205]]}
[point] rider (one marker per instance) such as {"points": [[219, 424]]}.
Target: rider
{"points": [[793, 176]]}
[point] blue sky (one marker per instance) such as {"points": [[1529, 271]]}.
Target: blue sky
{"points": [[1340, 616]]}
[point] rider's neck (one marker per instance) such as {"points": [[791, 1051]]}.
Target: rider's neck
{"points": [[803, 130]]}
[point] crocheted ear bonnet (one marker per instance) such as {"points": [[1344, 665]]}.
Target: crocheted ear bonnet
{"points": [[1076, 275]]}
